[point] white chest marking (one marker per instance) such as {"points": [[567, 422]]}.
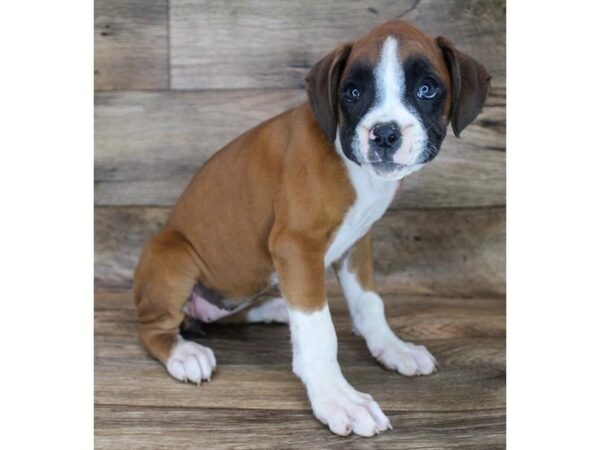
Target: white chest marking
{"points": [[373, 196]]}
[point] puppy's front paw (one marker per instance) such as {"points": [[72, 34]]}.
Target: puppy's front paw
{"points": [[345, 410], [404, 357], [190, 361]]}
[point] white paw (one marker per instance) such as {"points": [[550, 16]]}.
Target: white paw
{"points": [[190, 361], [404, 357], [345, 410]]}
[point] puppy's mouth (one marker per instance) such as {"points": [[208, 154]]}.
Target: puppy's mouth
{"points": [[390, 170], [386, 166], [380, 166]]}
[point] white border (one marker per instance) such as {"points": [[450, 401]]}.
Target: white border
{"points": [[46, 230], [553, 225]]}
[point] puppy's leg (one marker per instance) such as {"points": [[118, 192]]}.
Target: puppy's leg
{"points": [[163, 281], [355, 273], [334, 401], [273, 310]]}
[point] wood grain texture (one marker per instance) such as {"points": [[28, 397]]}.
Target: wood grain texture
{"points": [[254, 400], [263, 43], [149, 144], [118, 427], [442, 252], [131, 44], [427, 251]]}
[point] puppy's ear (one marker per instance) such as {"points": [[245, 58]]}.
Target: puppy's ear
{"points": [[322, 83], [470, 82]]}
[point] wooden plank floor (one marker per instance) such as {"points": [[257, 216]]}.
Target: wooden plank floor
{"points": [[254, 400]]}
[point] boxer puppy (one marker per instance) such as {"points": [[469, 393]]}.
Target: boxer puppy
{"points": [[299, 193]]}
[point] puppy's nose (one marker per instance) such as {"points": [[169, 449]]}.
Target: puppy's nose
{"points": [[385, 138]]}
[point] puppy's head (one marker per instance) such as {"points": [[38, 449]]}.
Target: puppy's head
{"points": [[385, 101]]}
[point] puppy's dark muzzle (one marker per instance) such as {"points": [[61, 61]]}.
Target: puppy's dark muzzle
{"points": [[384, 140]]}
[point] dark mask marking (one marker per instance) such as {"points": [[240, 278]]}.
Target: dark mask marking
{"points": [[352, 113], [416, 68]]}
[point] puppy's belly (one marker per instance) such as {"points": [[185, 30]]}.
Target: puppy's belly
{"points": [[208, 306]]}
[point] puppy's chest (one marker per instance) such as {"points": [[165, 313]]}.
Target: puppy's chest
{"points": [[373, 197]]}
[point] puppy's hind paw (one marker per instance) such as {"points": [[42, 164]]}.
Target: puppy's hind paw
{"points": [[190, 361]]}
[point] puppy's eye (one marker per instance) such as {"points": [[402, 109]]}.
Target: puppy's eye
{"points": [[428, 89], [351, 93]]}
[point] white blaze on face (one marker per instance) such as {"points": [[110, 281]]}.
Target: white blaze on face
{"points": [[390, 90]]}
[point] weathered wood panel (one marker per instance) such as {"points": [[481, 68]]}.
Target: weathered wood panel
{"points": [[254, 400], [125, 427], [265, 43], [116, 382], [131, 44], [443, 252], [119, 236], [149, 144]]}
